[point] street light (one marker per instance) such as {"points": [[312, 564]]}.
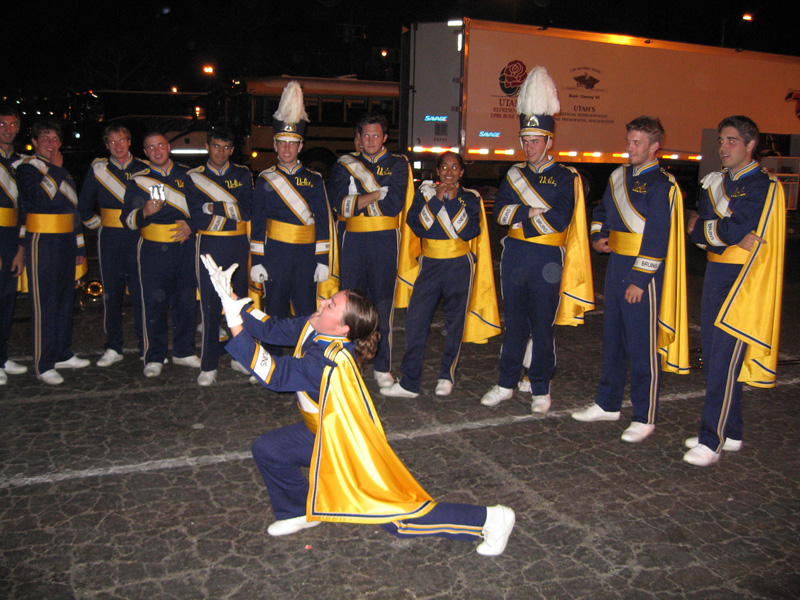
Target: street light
{"points": [[208, 69], [745, 17]]}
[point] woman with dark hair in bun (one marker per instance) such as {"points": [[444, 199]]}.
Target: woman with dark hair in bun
{"points": [[354, 475]]}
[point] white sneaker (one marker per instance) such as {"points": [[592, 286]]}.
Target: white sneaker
{"points": [[496, 395], [636, 432], [701, 456], [51, 377], [109, 357], [223, 335], [187, 361], [444, 387], [153, 369], [524, 385], [730, 445], [290, 526], [253, 380], [239, 367], [206, 378], [499, 523], [12, 368], [3, 377], [398, 391], [73, 363], [384, 379], [540, 404], [595, 413]]}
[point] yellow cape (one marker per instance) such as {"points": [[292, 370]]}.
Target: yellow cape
{"points": [[577, 288], [483, 316], [673, 318], [752, 310], [355, 476]]}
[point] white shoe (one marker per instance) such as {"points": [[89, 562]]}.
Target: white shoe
{"points": [[109, 357], [51, 377], [524, 385], [12, 368], [398, 391], [223, 335], [383, 379], [3, 377], [239, 367], [253, 380], [187, 361], [496, 395], [206, 378], [499, 523], [595, 413], [444, 387], [73, 363], [153, 369], [701, 456], [290, 526], [730, 445], [636, 432], [540, 404]]}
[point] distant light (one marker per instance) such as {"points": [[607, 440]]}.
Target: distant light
{"points": [[77, 135], [570, 153], [505, 152], [166, 10], [417, 164], [478, 151], [672, 156], [417, 148], [460, 43], [254, 154], [384, 53], [28, 147], [698, 157], [455, 23], [189, 151], [208, 70], [174, 90], [747, 17]]}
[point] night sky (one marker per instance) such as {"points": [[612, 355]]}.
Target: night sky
{"points": [[55, 47]]}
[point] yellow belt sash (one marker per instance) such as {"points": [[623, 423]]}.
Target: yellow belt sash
{"points": [[8, 217], [627, 244], [733, 255], [549, 239], [42, 223], [290, 234], [444, 248], [109, 217], [156, 232], [241, 229], [362, 224]]}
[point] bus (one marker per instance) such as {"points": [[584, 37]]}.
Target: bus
{"points": [[334, 106]]}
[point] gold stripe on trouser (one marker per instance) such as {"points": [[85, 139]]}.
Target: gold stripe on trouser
{"points": [[43, 223], [361, 224], [655, 359], [444, 248], [241, 229], [549, 239], [8, 217], [109, 217], [733, 255], [156, 232], [627, 244], [453, 366], [290, 234], [33, 286], [730, 384], [145, 337]]}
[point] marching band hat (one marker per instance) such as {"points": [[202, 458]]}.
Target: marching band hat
{"points": [[537, 103], [290, 120]]}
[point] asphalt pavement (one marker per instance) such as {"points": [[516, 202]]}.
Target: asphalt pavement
{"points": [[113, 486]]}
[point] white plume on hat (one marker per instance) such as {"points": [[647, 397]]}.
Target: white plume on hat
{"points": [[291, 108], [538, 95]]}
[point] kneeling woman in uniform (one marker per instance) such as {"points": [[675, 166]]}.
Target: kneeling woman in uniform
{"points": [[354, 475]]}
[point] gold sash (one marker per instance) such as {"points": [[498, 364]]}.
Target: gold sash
{"points": [[549, 239], [444, 248], [733, 255], [290, 234], [42, 223], [8, 217], [361, 224], [241, 229], [624, 243], [156, 232], [110, 217]]}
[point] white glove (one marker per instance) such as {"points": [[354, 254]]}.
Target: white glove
{"points": [[208, 208], [221, 281], [258, 273], [321, 273], [711, 179], [384, 190]]}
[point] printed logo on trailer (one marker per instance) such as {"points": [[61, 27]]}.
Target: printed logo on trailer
{"points": [[512, 77], [794, 95]]}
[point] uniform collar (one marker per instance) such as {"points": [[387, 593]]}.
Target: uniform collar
{"points": [[653, 164], [546, 165], [124, 165], [166, 171], [9, 154], [291, 171], [219, 172], [377, 157], [743, 172]]}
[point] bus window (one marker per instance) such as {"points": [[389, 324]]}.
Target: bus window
{"points": [[332, 111], [312, 108], [263, 109], [386, 107], [356, 108]]}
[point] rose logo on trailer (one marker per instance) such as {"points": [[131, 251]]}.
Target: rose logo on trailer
{"points": [[512, 77], [794, 95]]}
